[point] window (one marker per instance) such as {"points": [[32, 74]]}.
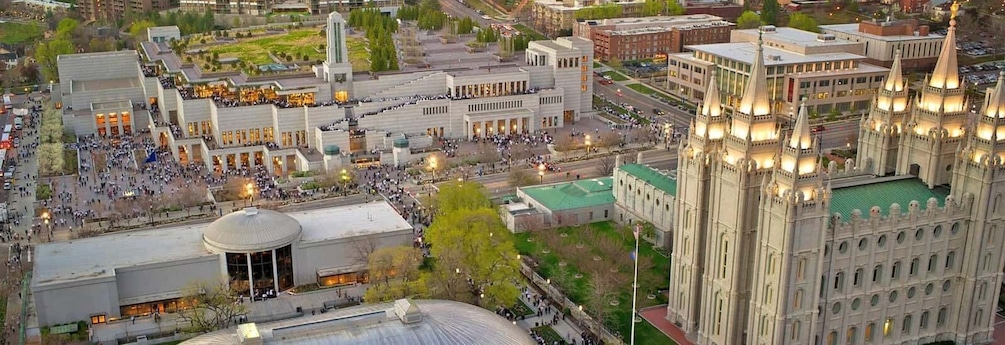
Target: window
{"points": [[987, 261], [797, 299], [838, 281], [932, 261], [924, 320], [949, 260], [900, 237], [955, 229], [929, 288], [868, 331], [914, 267], [937, 231], [887, 327], [836, 308], [857, 278], [920, 234], [978, 317], [881, 241], [906, 326], [895, 272], [941, 319], [983, 291], [795, 329], [800, 269], [893, 296], [832, 338], [843, 247], [874, 300], [96, 319], [877, 273], [718, 313], [724, 249], [851, 335], [824, 83], [863, 244], [911, 292], [855, 303], [947, 285]]}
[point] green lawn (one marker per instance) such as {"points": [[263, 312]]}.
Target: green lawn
{"points": [[536, 36], [615, 76], [480, 5], [298, 43], [597, 65], [549, 335], [359, 56], [579, 250], [641, 88], [16, 33]]}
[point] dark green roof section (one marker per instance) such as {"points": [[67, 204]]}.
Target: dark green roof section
{"points": [[652, 176], [573, 195], [883, 194]]}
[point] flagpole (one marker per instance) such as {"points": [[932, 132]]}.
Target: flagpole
{"points": [[635, 282]]}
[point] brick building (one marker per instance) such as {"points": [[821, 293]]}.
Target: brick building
{"points": [[919, 49], [114, 9], [641, 38]]}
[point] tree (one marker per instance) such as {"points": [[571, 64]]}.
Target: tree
{"points": [[653, 7], [46, 53], [50, 159], [614, 62], [609, 141], [395, 274], [475, 258], [769, 12], [66, 28], [138, 30], [803, 22], [674, 8], [564, 144], [455, 197], [748, 20], [29, 72], [605, 166], [520, 177], [211, 306]]}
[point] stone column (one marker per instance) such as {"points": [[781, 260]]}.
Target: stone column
{"points": [[275, 273], [251, 280]]}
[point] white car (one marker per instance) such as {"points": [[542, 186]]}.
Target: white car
{"points": [[6, 186]]}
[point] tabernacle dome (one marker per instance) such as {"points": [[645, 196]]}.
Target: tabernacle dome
{"points": [[251, 230]]}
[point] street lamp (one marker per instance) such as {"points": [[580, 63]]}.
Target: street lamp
{"points": [[345, 181], [587, 142], [540, 172], [250, 189], [432, 166], [45, 219]]}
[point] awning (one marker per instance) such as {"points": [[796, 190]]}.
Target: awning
{"points": [[326, 272]]}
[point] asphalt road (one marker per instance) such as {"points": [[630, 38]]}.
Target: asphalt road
{"points": [[457, 9]]}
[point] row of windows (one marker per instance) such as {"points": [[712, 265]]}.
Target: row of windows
{"points": [[435, 110], [551, 100], [495, 106], [877, 271], [919, 235], [906, 327], [200, 128], [839, 82]]}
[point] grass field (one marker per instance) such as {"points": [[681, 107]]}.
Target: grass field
{"points": [[616, 76], [611, 244], [256, 49], [358, 55], [481, 5], [15, 33], [530, 32], [641, 88]]}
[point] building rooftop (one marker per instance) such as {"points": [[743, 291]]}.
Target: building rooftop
{"points": [[91, 258], [883, 193], [560, 6], [442, 323], [786, 35], [852, 29], [251, 229], [573, 195], [744, 52], [652, 176]]}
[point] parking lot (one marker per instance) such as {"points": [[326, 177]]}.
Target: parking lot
{"points": [[985, 73]]}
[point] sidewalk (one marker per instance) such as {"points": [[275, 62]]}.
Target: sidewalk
{"points": [[564, 328]]}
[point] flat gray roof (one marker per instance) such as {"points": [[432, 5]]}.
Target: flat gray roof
{"points": [[99, 256], [104, 84], [852, 29], [744, 52]]}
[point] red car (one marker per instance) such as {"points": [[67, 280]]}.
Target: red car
{"points": [[606, 82], [818, 129]]}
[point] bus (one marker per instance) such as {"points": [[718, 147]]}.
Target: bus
{"points": [[6, 142]]}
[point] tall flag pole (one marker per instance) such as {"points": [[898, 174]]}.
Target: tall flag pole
{"points": [[635, 281]]}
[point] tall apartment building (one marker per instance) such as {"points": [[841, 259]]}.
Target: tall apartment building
{"points": [[552, 17], [114, 9], [261, 7], [252, 7], [919, 49], [772, 248], [830, 72], [642, 38]]}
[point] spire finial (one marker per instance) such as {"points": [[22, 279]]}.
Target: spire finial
{"points": [[953, 10], [760, 37]]}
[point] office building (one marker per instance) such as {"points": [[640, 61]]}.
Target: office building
{"points": [[919, 49], [297, 118], [252, 250], [645, 37], [115, 9], [829, 72], [770, 247]]}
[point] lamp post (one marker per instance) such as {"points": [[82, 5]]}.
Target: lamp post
{"points": [[45, 219], [250, 189], [588, 143], [540, 172], [345, 182], [151, 213]]}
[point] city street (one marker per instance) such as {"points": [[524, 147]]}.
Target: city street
{"points": [[458, 10]]}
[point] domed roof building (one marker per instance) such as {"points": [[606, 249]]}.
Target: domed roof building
{"points": [[256, 251]]}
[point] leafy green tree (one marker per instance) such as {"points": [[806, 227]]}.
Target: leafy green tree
{"points": [[674, 8], [66, 28], [769, 12], [605, 11], [139, 29], [653, 7], [748, 20], [803, 22], [394, 274], [473, 252], [461, 196], [46, 53]]}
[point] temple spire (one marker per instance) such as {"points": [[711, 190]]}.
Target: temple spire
{"points": [[995, 106], [755, 97], [895, 81], [801, 138], [712, 106], [947, 74]]}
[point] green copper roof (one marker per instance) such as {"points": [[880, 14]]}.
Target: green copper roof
{"points": [[884, 194], [652, 176], [573, 195]]}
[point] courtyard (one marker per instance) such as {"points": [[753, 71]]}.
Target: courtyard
{"points": [[592, 264], [259, 48]]}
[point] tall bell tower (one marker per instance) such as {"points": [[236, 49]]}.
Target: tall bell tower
{"points": [[880, 130]]}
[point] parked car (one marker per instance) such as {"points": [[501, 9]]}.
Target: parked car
{"points": [[818, 129]]}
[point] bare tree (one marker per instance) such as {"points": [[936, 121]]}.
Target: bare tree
{"points": [[564, 144], [520, 177], [211, 306], [602, 292], [529, 223], [609, 141], [605, 165], [362, 247]]}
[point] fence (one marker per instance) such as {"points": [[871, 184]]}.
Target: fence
{"points": [[583, 320]]}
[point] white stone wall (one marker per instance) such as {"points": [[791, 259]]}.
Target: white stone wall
{"points": [[314, 256], [75, 301], [135, 283]]}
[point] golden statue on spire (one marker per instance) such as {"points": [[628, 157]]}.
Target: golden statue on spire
{"points": [[955, 8]]}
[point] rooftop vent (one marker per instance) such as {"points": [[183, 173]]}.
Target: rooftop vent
{"points": [[247, 334], [769, 28], [826, 38], [774, 57], [250, 211], [407, 311]]}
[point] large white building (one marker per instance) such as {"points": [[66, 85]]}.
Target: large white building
{"points": [[829, 71], [331, 116], [141, 272], [771, 248], [918, 47]]}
